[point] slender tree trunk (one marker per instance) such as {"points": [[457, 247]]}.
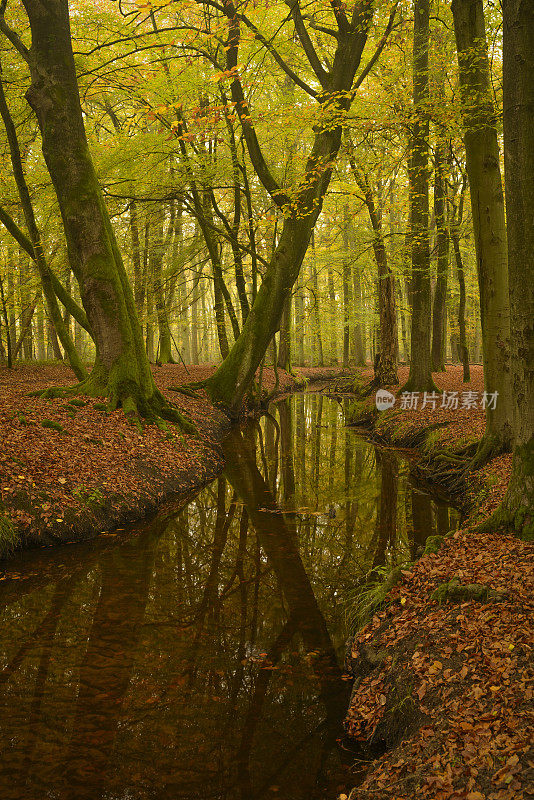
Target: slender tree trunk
{"points": [[385, 359], [420, 377], [346, 288], [518, 101], [439, 315], [299, 325], [463, 350], [332, 326], [40, 332], [316, 310], [10, 299], [284, 350], [487, 205]]}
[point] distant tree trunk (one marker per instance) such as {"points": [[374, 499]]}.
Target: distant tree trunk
{"points": [[402, 315], [385, 360], [299, 325], [463, 350], [136, 258], [359, 320], [332, 326], [53, 340], [121, 371], [284, 350], [518, 101], [160, 245], [346, 273], [40, 334], [194, 319], [487, 204], [316, 310], [10, 299], [420, 377], [439, 313]]}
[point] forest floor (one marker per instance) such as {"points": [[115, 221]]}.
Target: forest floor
{"points": [[443, 671], [69, 470]]}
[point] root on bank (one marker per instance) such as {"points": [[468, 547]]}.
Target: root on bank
{"points": [[126, 394]]}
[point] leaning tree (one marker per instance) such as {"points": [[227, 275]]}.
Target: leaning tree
{"points": [[333, 87], [121, 371]]}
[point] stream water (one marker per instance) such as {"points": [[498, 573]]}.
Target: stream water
{"points": [[200, 656]]}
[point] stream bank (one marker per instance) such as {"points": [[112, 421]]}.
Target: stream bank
{"points": [[443, 681], [70, 471]]}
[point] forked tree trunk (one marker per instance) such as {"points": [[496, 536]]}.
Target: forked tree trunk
{"points": [[121, 370], [420, 377], [487, 205], [518, 101], [235, 375]]}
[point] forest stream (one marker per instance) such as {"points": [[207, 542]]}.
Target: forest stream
{"points": [[200, 655]]}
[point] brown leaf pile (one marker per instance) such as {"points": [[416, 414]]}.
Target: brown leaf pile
{"points": [[467, 668]]}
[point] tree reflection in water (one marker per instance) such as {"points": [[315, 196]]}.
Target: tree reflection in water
{"points": [[200, 656]]}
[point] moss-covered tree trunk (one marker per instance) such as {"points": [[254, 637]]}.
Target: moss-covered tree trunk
{"points": [[487, 205], [518, 100], [420, 377], [121, 370]]}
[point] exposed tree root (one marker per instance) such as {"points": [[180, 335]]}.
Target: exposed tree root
{"points": [[489, 447], [183, 390], [126, 395]]}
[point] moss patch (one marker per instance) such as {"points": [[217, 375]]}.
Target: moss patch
{"points": [[457, 592]]}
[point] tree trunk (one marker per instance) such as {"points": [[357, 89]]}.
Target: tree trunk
{"points": [[233, 378], [121, 370], [284, 350], [332, 325], [385, 360], [439, 312], [463, 350], [420, 377], [316, 311], [487, 205], [518, 101], [346, 288]]}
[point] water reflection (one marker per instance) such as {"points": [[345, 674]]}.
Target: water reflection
{"points": [[199, 657]]}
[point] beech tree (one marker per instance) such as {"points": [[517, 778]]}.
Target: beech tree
{"points": [[121, 371], [232, 379], [420, 377], [487, 206]]}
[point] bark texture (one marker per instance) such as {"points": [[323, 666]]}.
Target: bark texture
{"points": [[518, 97], [487, 205], [420, 377]]}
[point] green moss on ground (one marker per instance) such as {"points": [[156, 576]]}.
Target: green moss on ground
{"points": [[50, 423], [455, 591]]}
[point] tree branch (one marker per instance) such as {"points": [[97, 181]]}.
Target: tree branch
{"points": [[376, 55], [307, 44]]}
